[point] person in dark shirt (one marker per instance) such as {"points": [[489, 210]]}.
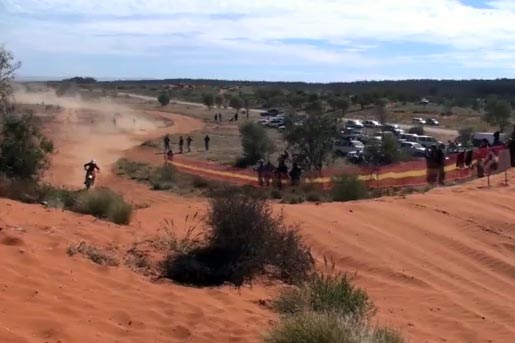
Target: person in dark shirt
{"points": [[497, 139], [188, 143], [166, 143], [206, 142], [181, 145], [295, 173]]}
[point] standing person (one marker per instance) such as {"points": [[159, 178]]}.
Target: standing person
{"points": [[206, 142], [497, 139], [431, 164], [440, 164], [236, 117], [181, 144], [188, 143], [268, 172], [260, 169], [295, 173], [216, 117], [166, 144], [511, 146]]}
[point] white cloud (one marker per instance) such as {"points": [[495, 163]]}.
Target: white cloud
{"points": [[352, 29]]}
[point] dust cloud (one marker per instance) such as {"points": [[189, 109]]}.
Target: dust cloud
{"points": [[100, 129]]}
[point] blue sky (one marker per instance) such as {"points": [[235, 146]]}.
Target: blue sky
{"points": [[292, 40]]}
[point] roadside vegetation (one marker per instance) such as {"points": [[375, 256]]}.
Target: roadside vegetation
{"points": [[24, 157]]}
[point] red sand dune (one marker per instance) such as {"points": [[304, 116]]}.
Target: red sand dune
{"points": [[440, 267]]}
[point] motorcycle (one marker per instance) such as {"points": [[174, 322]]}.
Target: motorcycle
{"points": [[90, 180]]}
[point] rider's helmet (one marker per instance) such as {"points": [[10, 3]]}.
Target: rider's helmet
{"points": [[93, 161]]}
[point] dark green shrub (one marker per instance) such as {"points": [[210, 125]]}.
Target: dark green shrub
{"points": [[163, 98], [245, 240], [255, 143], [23, 148], [199, 182], [347, 188]]}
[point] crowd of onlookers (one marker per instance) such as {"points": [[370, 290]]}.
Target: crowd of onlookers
{"points": [[269, 174]]}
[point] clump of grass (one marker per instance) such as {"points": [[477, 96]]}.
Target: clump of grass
{"points": [[105, 204], [325, 293], [163, 178], [199, 182], [134, 170], [94, 254], [311, 327], [347, 188]]}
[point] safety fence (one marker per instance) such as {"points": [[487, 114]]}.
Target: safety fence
{"points": [[404, 174]]}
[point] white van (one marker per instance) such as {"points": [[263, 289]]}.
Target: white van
{"points": [[479, 136]]}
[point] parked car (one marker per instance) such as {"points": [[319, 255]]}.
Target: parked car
{"points": [[344, 147], [275, 122], [427, 141], [352, 131], [418, 121], [413, 149], [272, 112], [408, 137], [371, 123], [432, 122], [357, 124], [393, 128]]}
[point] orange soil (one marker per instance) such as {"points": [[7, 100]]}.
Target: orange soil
{"points": [[440, 266]]}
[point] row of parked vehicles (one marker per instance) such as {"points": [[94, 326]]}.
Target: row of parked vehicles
{"points": [[353, 138]]}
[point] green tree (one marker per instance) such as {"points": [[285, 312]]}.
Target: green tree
{"points": [[383, 152], [236, 102], [219, 100], [208, 100], [498, 113], [296, 101], [164, 98], [247, 101], [255, 142], [23, 148], [7, 69], [312, 135], [381, 111]]}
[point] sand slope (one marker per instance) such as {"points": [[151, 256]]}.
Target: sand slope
{"points": [[441, 267]]}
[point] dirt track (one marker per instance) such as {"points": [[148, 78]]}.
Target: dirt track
{"points": [[440, 266]]}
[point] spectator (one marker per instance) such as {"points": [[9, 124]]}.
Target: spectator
{"points": [[440, 164], [236, 117], [206, 142], [295, 173], [281, 171], [431, 165], [166, 144], [268, 172], [181, 145], [188, 143], [497, 139], [216, 117], [511, 146], [260, 169]]}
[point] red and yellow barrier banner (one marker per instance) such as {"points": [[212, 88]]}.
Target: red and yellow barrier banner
{"points": [[405, 174]]}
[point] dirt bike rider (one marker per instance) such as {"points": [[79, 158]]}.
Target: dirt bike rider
{"points": [[90, 168]]}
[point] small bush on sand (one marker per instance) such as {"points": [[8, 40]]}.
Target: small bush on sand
{"points": [[347, 188], [163, 178], [310, 327], [255, 142], [94, 254], [199, 182], [245, 240], [105, 204], [323, 293]]}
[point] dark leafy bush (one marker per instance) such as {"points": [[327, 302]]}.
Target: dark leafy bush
{"points": [[327, 294], [347, 188], [199, 182], [383, 152], [255, 142], [164, 98], [23, 148], [245, 240]]}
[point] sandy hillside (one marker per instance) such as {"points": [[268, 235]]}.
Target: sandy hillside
{"points": [[440, 266]]}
